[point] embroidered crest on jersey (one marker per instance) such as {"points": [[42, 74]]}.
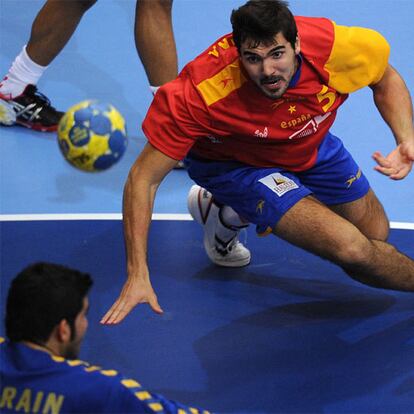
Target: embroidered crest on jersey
{"points": [[311, 127], [278, 183]]}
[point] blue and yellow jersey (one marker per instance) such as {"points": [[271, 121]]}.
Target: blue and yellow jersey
{"points": [[217, 112], [34, 381]]}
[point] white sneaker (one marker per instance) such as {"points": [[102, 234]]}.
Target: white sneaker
{"points": [[225, 250]]}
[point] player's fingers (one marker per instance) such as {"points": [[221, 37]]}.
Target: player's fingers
{"points": [[385, 171], [108, 314], [155, 306], [120, 312], [381, 160]]}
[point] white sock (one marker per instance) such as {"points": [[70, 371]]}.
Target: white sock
{"points": [[154, 89], [22, 73], [232, 219], [230, 223]]}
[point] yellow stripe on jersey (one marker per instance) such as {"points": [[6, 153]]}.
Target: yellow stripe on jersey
{"points": [[221, 85], [358, 58], [156, 406], [143, 395], [1, 339], [130, 383], [109, 372], [74, 362], [92, 368]]}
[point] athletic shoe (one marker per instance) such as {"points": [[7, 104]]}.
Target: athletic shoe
{"points": [[225, 250], [7, 114], [33, 110]]}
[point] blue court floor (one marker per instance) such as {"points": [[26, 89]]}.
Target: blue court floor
{"points": [[290, 333]]}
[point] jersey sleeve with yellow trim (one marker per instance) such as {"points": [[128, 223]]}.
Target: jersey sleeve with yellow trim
{"points": [[171, 124], [358, 58]]}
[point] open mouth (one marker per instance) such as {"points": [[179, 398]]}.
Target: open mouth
{"points": [[272, 83]]}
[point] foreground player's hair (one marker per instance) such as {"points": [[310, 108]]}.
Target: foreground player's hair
{"points": [[42, 295]]}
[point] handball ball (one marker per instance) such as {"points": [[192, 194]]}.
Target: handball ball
{"points": [[92, 136]]}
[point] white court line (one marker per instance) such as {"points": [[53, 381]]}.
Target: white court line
{"points": [[113, 216], [118, 216]]}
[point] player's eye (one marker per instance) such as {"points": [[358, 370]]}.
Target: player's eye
{"points": [[252, 59], [277, 55]]}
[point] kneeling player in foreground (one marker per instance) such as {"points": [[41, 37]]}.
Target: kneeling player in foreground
{"points": [[46, 321]]}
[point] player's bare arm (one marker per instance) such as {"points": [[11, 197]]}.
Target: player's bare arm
{"points": [[139, 193], [393, 101]]}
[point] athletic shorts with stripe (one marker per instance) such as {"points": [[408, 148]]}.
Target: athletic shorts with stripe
{"points": [[263, 195]]}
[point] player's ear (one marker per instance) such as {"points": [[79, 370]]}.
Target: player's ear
{"points": [[297, 45], [63, 331]]}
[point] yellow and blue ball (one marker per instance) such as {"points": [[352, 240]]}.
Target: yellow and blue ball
{"points": [[92, 135]]}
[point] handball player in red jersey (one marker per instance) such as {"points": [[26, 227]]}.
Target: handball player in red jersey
{"points": [[252, 117]]}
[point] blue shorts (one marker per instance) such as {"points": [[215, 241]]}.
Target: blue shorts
{"points": [[263, 195]]}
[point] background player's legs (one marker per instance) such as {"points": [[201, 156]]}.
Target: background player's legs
{"points": [[154, 39], [51, 30], [315, 228], [53, 27]]}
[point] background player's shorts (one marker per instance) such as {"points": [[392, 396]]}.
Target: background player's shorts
{"points": [[263, 195]]}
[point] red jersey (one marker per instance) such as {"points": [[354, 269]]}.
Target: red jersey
{"points": [[215, 110]]}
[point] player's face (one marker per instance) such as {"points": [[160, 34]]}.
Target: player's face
{"points": [[270, 67], [81, 325]]}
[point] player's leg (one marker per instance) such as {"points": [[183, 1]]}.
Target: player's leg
{"points": [[367, 214], [221, 225], [338, 182], [53, 27], [314, 227], [229, 195], [51, 30], [154, 40], [155, 43]]}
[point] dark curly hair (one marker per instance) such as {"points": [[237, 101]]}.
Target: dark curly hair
{"points": [[40, 296]]}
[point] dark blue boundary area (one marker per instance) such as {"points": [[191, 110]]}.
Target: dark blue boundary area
{"points": [[289, 334]]}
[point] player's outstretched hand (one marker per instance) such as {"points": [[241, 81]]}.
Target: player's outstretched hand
{"points": [[398, 163], [134, 292]]}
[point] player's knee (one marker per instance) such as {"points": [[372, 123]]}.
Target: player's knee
{"points": [[382, 232], [353, 253]]}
